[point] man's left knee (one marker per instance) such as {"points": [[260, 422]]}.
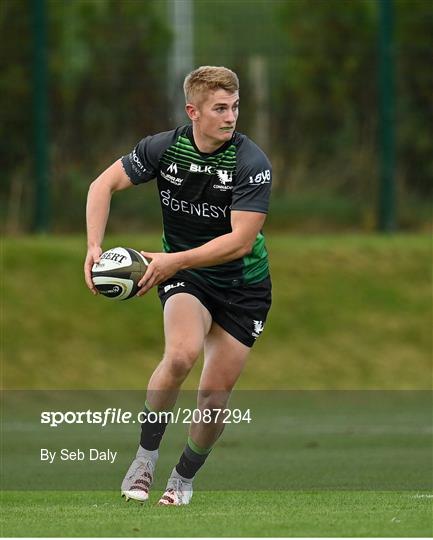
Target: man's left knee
{"points": [[213, 399]]}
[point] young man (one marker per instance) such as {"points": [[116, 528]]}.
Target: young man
{"points": [[213, 276]]}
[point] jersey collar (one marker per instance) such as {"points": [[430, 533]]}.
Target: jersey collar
{"points": [[189, 134]]}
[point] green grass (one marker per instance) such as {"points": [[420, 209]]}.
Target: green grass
{"points": [[348, 312], [218, 514], [308, 464]]}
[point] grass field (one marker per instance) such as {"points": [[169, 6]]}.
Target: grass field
{"points": [[349, 313], [219, 514]]}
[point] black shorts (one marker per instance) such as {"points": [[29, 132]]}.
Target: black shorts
{"points": [[240, 311]]}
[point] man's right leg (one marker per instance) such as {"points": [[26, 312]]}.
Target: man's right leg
{"points": [[186, 324]]}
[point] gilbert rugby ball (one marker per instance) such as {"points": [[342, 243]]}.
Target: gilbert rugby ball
{"points": [[117, 274]]}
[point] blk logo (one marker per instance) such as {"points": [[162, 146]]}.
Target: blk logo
{"points": [[206, 169]]}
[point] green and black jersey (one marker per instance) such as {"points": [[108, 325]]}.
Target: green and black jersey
{"points": [[198, 192]]}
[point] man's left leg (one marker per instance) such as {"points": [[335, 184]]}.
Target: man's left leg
{"points": [[224, 360]]}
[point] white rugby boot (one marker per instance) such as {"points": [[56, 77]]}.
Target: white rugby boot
{"points": [[139, 478], [178, 491]]}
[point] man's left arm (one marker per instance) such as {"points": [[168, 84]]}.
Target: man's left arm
{"points": [[228, 247]]}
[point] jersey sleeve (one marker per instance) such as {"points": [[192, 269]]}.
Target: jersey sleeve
{"points": [[141, 165], [252, 188]]}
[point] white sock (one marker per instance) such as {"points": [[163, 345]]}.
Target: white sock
{"points": [[151, 455], [175, 474]]}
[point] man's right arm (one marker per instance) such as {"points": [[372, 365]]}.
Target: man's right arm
{"points": [[98, 208]]}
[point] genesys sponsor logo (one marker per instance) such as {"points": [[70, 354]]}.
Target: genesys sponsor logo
{"points": [[203, 209], [261, 178]]}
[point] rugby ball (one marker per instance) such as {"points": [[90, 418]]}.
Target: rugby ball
{"points": [[117, 274]]}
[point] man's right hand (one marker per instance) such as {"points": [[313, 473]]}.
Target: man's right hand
{"points": [[93, 256]]}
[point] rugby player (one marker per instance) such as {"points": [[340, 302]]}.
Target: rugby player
{"points": [[212, 276]]}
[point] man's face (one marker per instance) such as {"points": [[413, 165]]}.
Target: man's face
{"points": [[215, 118]]}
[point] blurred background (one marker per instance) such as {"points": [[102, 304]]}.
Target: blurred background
{"points": [[337, 92]]}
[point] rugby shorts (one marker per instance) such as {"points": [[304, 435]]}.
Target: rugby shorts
{"points": [[240, 311]]}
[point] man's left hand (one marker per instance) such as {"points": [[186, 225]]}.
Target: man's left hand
{"points": [[162, 267]]}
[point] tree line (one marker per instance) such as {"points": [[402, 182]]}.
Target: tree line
{"points": [[309, 95]]}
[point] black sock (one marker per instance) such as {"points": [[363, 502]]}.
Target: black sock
{"points": [[192, 458], [151, 432]]}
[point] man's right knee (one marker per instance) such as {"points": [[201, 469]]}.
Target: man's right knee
{"points": [[179, 362]]}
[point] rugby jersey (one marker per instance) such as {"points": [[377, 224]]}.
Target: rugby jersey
{"points": [[198, 191]]}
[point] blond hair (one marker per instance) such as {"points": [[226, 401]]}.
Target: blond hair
{"points": [[209, 78]]}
